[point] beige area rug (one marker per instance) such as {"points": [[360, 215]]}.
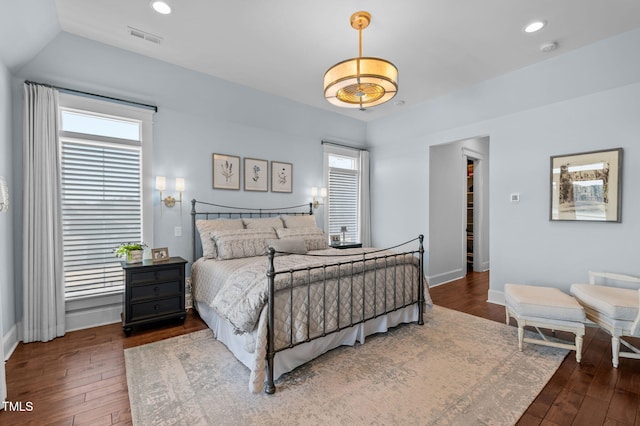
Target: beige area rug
{"points": [[455, 370]]}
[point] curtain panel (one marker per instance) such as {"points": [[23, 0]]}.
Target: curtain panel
{"points": [[365, 200], [42, 257]]}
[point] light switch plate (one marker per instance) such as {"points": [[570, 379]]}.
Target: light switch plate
{"points": [[177, 231]]}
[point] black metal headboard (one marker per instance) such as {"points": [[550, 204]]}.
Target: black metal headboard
{"points": [[217, 211]]}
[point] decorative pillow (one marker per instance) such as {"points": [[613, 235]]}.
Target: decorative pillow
{"points": [[234, 244], [305, 221], [288, 246], [205, 227], [263, 222], [313, 237]]}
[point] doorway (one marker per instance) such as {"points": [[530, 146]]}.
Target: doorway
{"points": [[469, 216], [458, 209]]}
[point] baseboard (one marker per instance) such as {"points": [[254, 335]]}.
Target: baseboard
{"points": [[496, 297], [10, 341], [435, 280]]}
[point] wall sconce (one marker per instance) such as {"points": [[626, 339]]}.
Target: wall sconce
{"points": [[314, 194], [169, 201]]}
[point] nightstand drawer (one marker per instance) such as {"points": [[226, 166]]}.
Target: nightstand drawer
{"points": [[170, 274], [155, 290], [155, 308]]}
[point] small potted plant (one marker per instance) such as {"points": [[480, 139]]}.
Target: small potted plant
{"points": [[131, 252]]}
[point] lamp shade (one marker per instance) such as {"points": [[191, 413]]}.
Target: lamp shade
{"points": [[361, 82], [314, 191], [161, 183], [323, 192], [180, 184]]}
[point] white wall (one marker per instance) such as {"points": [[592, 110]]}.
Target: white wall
{"points": [[584, 100], [197, 116]]}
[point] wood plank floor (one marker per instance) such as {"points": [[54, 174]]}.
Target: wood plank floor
{"points": [[80, 378]]}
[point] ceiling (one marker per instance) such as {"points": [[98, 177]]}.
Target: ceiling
{"points": [[284, 47]]}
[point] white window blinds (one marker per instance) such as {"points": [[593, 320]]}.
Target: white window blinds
{"points": [[343, 202], [101, 207], [105, 154]]}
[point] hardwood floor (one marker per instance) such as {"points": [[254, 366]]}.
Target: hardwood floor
{"points": [[589, 393], [80, 378]]}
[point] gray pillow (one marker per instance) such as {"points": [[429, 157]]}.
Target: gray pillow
{"points": [[288, 246]]}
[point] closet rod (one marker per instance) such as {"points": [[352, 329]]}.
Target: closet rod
{"points": [[323, 142], [80, 92]]}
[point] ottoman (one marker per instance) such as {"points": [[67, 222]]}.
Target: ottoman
{"points": [[545, 307]]}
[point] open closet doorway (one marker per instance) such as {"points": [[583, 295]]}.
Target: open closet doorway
{"points": [[458, 209]]}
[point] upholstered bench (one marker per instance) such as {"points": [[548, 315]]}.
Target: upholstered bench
{"points": [[545, 307]]}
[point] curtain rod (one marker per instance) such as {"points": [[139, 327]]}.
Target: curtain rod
{"points": [[80, 92], [323, 142]]}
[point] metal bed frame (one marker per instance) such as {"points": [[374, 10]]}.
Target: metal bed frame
{"points": [[350, 265]]}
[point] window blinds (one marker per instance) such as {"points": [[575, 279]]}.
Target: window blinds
{"points": [[343, 202], [101, 207]]}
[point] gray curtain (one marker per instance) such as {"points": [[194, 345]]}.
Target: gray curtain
{"points": [[42, 267]]}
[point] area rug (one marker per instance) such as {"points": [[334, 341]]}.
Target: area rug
{"points": [[457, 369]]}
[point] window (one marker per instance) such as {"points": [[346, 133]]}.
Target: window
{"points": [[343, 180], [102, 147]]}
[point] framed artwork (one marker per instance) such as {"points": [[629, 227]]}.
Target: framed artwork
{"points": [[226, 171], [587, 186], [160, 254], [256, 174], [281, 177]]}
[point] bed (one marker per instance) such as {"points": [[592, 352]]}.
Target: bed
{"points": [[270, 288]]}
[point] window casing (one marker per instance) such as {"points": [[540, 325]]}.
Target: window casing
{"points": [[343, 181], [105, 151]]}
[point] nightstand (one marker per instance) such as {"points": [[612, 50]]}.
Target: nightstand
{"points": [[154, 291], [346, 245]]}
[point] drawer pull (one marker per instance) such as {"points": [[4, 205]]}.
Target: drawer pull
{"points": [[156, 290], [156, 307]]}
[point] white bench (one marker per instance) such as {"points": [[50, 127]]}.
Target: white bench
{"points": [[545, 307]]}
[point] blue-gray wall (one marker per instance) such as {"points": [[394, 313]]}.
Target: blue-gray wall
{"points": [[584, 100], [198, 115], [7, 282]]}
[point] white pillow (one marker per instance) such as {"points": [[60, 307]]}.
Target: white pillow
{"points": [[288, 246], [263, 222], [313, 237], [235, 244], [305, 221], [206, 227]]}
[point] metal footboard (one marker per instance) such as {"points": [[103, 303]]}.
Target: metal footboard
{"points": [[377, 285]]}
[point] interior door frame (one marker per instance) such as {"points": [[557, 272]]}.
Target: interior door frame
{"points": [[478, 206]]}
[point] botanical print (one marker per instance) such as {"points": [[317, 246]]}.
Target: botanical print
{"points": [[255, 174], [226, 171], [586, 186], [281, 176]]}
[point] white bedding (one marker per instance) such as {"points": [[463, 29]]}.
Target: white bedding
{"points": [[246, 337]]}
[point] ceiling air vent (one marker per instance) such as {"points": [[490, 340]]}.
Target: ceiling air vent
{"points": [[143, 35]]}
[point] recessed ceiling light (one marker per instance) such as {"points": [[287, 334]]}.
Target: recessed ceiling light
{"points": [[161, 7], [534, 26]]}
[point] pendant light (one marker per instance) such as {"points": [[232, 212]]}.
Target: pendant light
{"points": [[361, 82]]}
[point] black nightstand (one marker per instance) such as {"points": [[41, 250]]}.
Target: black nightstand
{"points": [[346, 245], [154, 291]]}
